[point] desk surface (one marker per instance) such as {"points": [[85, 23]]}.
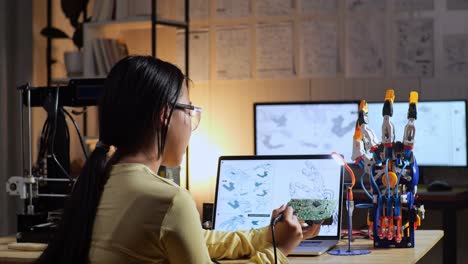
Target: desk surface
{"points": [[425, 240]]}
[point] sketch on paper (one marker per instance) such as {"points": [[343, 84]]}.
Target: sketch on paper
{"points": [[365, 5], [457, 4], [274, 7], [274, 50], [199, 9], [456, 54], [232, 9], [413, 5], [413, 47], [308, 6], [199, 54], [233, 53], [319, 48], [365, 47]]}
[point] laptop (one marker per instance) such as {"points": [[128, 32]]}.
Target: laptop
{"points": [[248, 188]]}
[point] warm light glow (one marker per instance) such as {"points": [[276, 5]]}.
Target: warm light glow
{"points": [[339, 159], [203, 163]]}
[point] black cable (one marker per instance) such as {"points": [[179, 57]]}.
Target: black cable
{"points": [[78, 132], [52, 140], [272, 225]]}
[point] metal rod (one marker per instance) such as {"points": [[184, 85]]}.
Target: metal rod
{"points": [[49, 44], [153, 28], [186, 46], [29, 133], [22, 132], [54, 180], [52, 195]]}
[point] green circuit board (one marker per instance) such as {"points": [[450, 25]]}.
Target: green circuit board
{"points": [[313, 209]]}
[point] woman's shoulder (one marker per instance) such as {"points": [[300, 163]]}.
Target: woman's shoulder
{"points": [[143, 179]]}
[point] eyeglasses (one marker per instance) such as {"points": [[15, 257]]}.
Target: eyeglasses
{"points": [[194, 112]]}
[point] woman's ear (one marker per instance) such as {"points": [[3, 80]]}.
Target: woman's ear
{"points": [[164, 117]]}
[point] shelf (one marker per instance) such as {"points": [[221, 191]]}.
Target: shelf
{"points": [[136, 22]]}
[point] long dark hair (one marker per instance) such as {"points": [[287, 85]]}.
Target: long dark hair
{"points": [[138, 90]]}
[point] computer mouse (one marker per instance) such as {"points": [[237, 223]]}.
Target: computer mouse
{"points": [[438, 185]]}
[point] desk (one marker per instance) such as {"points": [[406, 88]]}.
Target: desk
{"points": [[425, 240], [447, 201]]}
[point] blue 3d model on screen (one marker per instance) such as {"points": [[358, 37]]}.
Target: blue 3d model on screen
{"points": [[393, 175]]}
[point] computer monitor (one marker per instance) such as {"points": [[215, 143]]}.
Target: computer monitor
{"points": [[298, 128], [440, 138]]}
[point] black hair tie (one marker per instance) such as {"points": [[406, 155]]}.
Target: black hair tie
{"points": [[102, 146]]}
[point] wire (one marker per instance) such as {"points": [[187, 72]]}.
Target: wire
{"points": [[399, 175], [54, 131], [371, 175], [364, 187], [272, 224], [78, 132]]}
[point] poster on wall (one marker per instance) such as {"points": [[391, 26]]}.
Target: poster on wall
{"points": [[413, 47], [232, 9], [233, 53], [319, 48], [199, 54], [199, 9], [274, 49], [455, 54], [318, 6], [365, 5], [413, 5], [274, 7], [365, 47], [457, 4]]}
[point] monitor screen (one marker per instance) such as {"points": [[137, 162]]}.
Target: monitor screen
{"points": [[305, 128], [440, 138], [250, 187]]}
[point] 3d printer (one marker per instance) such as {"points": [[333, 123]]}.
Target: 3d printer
{"points": [[45, 184]]}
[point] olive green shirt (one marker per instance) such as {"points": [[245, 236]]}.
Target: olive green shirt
{"points": [[144, 218]]}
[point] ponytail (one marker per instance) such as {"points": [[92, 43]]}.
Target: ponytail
{"points": [[72, 241]]}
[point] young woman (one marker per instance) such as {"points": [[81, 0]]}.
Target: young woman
{"points": [[120, 211]]}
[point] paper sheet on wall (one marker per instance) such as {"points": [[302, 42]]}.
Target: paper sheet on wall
{"points": [[413, 5], [365, 46], [317, 6], [365, 5], [199, 9], [199, 54], [456, 55], [274, 50], [233, 54], [457, 4], [319, 48], [274, 7], [233, 9], [413, 47]]}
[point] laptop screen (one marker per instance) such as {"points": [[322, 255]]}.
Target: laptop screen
{"points": [[249, 188]]}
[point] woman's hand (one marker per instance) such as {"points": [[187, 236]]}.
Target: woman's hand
{"points": [[288, 231], [311, 230]]}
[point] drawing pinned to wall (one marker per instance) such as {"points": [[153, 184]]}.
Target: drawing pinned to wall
{"points": [[232, 9], [199, 54], [413, 5], [319, 48], [274, 7], [457, 4], [413, 47], [199, 9], [365, 46], [312, 6], [456, 55], [233, 54], [275, 50], [365, 5]]}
